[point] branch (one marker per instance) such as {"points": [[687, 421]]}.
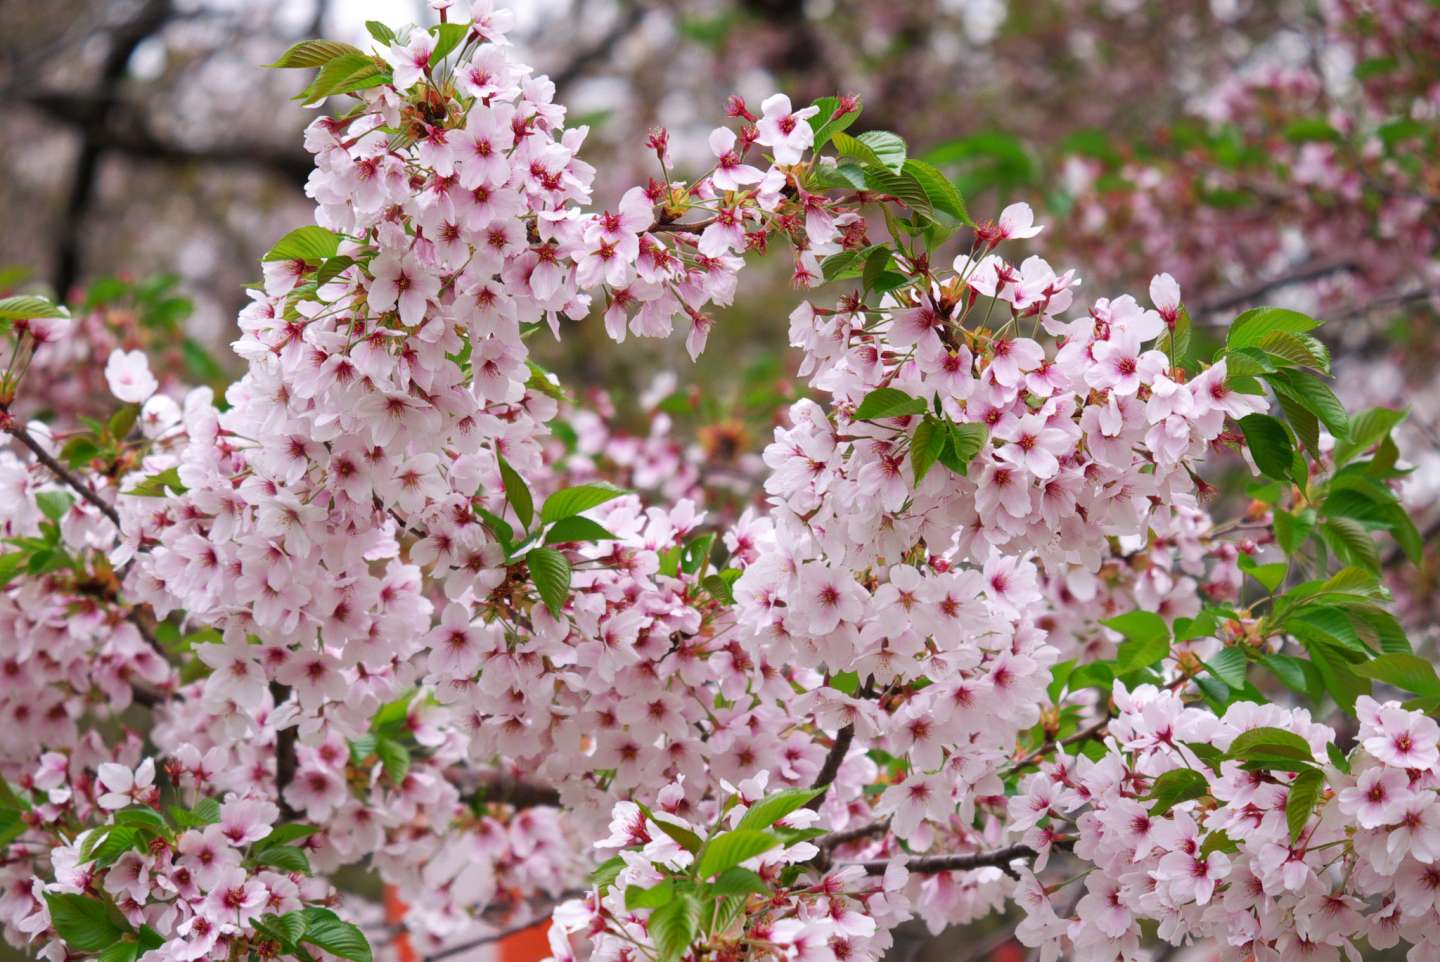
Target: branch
{"points": [[599, 50], [931, 864], [127, 132], [498, 936], [285, 760], [838, 750], [1299, 275], [504, 790], [13, 427]]}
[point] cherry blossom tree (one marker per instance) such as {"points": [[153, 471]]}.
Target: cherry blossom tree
{"points": [[393, 600]]}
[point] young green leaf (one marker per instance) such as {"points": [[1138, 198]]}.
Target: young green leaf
{"points": [[517, 493], [1300, 802], [568, 502], [731, 848]]}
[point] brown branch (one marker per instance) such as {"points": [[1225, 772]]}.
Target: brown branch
{"points": [[496, 936], [149, 20], [931, 864], [502, 789], [838, 750], [1299, 275], [286, 763], [598, 51], [125, 130], [9, 424]]}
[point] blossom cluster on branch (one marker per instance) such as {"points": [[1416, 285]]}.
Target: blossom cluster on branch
{"points": [[379, 609]]}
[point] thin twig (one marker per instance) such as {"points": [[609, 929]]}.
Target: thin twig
{"points": [[14, 428], [931, 864], [1305, 272]]}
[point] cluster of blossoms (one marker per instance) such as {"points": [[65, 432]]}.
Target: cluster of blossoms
{"points": [[1255, 853], [384, 614]]}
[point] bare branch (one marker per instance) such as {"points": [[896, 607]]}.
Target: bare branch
{"points": [[838, 750], [12, 426], [931, 864], [1311, 271]]}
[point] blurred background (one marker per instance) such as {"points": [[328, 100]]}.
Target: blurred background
{"points": [[1283, 152]]}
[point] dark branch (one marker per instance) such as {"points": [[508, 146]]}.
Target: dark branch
{"points": [[599, 50], [1300, 275], [12, 426], [475, 943], [124, 39], [930, 864], [838, 750], [504, 790], [125, 131], [285, 760]]}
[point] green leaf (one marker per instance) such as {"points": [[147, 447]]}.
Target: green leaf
{"points": [[54, 504], [395, 758], [1174, 787], [568, 502], [1147, 640], [1270, 742], [124, 951], [1291, 530], [1208, 754], [25, 307], [1270, 575], [447, 37], [738, 881], [964, 442], [325, 929], [1251, 327], [313, 53], [776, 806], [673, 926], [1176, 341], [944, 196], [311, 244], [1269, 444], [1297, 674], [1300, 802], [731, 848], [85, 924], [517, 493], [381, 32], [577, 530], [1367, 429], [345, 74], [287, 858], [902, 186], [157, 485], [888, 148], [146, 819], [888, 402], [288, 832], [1337, 757], [113, 842], [1404, 671], [550, 570], [1349, 539], [824, 126], [1229, 666], [1300, 349], [1340, 679], [651, 898], [682, 836], [929, 440], [1315, 396], [1218, 841], [605, 874]]}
